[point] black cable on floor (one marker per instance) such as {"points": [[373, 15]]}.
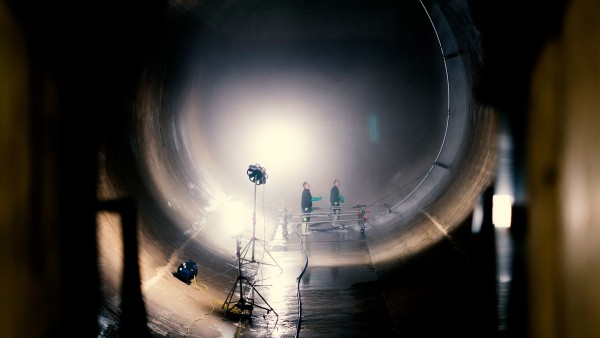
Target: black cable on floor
{"points": [[299, 322]]}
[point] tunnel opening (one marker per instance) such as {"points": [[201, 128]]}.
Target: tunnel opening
{"points": [[392, 123], [385, 107], [376, 95]]}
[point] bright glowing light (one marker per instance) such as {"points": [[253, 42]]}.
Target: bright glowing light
{"points": [[235, 217], [502, 210], [273, 126], [276, 137]]}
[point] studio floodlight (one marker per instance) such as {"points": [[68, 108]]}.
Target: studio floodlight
{"points": [[257, 174], [244, 306]]}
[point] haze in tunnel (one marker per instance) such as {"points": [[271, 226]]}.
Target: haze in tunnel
{"points": [[375, 94], [358, 99], [372, 94], [71, 75]]}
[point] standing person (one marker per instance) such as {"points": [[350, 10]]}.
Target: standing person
{"points": [[307, 206], [335, 198]]}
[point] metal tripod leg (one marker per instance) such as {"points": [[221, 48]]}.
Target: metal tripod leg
{"points": [[245, 251], [243, 307]]}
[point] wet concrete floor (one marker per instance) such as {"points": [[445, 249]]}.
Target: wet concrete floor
{"points": [[320, 285]]}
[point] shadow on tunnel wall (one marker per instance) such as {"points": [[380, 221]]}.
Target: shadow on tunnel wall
{"points": [[68, 75]]}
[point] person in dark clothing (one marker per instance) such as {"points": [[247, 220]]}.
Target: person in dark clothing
{"points": [[307, 206], [336, 199]]}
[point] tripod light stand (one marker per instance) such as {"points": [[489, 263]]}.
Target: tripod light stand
{"points": [[243, 307], [257, 175]]}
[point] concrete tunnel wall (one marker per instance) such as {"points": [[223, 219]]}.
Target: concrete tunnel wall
{"points": [[167, 164], [59, 98], [176, 178]]}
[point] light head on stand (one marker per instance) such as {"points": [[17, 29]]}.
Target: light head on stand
{"points": [[257, 174]]}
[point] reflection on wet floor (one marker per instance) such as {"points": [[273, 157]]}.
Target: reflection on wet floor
{"points": [[320, 285]]}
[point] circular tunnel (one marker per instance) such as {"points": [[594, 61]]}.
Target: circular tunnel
{"points": [[376, 94]]}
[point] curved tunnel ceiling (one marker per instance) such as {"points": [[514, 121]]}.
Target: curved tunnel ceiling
{"points": [[375, 94]]}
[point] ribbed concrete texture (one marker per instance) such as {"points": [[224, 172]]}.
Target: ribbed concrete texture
{"points": [[133, 138]]}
